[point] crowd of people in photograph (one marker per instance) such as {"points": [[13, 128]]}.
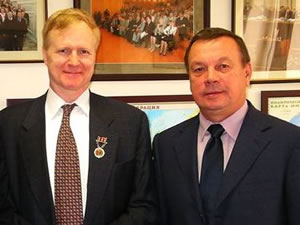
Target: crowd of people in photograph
{"points": [[160, 27], [14, 22], [283, 12]]}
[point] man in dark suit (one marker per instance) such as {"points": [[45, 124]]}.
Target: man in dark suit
{"points": [[112, 139], [259, 179], [20, 31]]}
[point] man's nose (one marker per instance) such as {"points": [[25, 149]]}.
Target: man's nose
{"points": [[74, 60], [211, 75]]}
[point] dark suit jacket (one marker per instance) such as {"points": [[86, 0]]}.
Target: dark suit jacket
{"points": [[119, 184], [261, 184]]}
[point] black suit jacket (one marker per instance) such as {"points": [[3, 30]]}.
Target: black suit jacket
{"points": [[119, 184], [261, 184]]}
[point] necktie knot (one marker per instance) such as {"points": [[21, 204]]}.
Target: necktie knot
{"points": [[216, 130], [67, 108]]}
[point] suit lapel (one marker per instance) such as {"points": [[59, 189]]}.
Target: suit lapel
{"points": [[101, 121], [33, 150], [185, 147], [249, 145]]}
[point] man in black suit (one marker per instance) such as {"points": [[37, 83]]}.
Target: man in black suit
{"points": [[112, 139], [253, 175], [8, 29], [20, 31]]}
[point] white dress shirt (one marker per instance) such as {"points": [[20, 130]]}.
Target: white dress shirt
{"points": [[79, 122]]}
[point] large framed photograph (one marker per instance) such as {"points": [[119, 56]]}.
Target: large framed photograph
{"points": [[144, 40], [271, 30], [21, 24], [163, 111], [282, 104]]}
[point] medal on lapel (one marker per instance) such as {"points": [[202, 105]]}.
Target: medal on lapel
{"points": [[99, 151]]}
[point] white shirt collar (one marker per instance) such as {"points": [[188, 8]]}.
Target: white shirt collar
{"points": [[54, 103]]}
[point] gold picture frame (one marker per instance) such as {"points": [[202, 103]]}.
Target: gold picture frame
{"points": [[32, 52]]}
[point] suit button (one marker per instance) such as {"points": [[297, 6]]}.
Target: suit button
{"points": [[202, 218]]}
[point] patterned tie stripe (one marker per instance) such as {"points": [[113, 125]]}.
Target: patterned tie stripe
{"points": [[68, 197]]}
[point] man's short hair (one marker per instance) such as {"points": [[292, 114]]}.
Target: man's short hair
{"points": [[61, 19], [207, 34]]}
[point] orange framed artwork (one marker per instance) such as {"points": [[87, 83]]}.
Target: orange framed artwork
{"points": [[144, 39]]}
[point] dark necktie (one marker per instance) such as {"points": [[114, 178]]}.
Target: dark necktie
{"points": [[68, 198], [212, 168]]}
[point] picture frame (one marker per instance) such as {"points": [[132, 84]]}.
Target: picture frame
{"points": [[284, 104], [118, 63], [163, 111], [271, 38], [15, 48]]}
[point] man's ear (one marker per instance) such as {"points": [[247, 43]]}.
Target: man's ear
{"points": [[45, 57], [248, 73]]}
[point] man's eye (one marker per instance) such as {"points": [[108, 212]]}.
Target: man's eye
{"points": [[84, 52], [64, 51], [198, 69], [223, 67]]}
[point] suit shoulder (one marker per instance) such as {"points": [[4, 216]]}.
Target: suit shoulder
{"points": [[115, 102], [18, 109], [115, 105], [282, 124], [269, 122], [181, 127]]}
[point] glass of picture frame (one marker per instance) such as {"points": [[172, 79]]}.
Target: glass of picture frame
{"points": [[29, 48], [271, 30], [284, 104]]}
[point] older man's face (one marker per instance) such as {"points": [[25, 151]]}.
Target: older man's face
{"points": [[70, 59], [218, 78]]}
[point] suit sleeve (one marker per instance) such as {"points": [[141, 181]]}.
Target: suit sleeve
{"points": [[141, 208], [8, 215], [159, 186], [293, 186]]}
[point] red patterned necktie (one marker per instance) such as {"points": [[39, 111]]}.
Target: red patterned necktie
{"points": [[68, 198]]}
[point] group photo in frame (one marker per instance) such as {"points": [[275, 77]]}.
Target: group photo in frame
{"points": [[21, 24], [144, 40], [282, 104], [271, 30]]}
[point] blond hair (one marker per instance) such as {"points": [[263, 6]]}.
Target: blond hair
{"points": [[61, 19]]}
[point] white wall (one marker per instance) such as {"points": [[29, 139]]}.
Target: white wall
{"points": [[25, 80]]}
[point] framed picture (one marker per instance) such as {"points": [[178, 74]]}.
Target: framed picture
{"points": [[271, 30], [282, 104], [144, 39], [162, 111], [21, 24]]}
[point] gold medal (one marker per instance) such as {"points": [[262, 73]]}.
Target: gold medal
{"points": [[99, 152]]}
